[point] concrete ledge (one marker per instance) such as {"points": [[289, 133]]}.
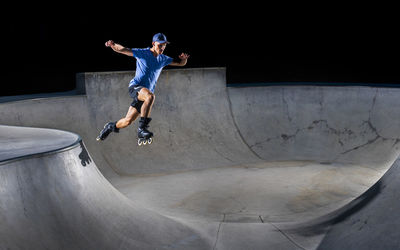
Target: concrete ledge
{"points": [[26, 142]]}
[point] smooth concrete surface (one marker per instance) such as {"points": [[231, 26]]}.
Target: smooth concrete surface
{"points": [[15, 143], [266, 192], [230, 168]]}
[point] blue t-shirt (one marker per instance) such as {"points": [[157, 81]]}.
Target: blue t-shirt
{"points": [[148, 68]]}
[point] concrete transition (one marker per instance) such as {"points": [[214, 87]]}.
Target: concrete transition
{"points": [[273, 167]]}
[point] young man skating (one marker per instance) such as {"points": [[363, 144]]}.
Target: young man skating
{"points": [[149, 64]]}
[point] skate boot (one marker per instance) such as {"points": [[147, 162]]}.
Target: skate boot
{"points": [[144, 135], [108, 128]]}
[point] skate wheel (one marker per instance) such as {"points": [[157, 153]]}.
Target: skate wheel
{"points": [[150, 140], [139, 142], [144, 142]]}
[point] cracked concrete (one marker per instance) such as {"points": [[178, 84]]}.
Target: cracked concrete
{"points": [[326, 123]]}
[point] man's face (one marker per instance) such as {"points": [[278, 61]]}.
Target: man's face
{"points": [[159, 47]]}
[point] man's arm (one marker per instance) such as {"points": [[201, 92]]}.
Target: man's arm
{"points": [[119, 48], [183, 57]]}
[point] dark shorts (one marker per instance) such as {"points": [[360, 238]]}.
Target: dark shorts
{"points": [[134, 92]]}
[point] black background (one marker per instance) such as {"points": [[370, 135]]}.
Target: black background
{"points": [[43, 47]]}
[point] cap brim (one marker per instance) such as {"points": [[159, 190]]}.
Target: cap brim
{"points": [[163, 42]]}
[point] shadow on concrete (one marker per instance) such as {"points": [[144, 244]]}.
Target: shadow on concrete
{"points": [[84, 156]]}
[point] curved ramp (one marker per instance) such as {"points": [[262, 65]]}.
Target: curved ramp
{"points": [[372, 221], [239, 168], [56, 198]]}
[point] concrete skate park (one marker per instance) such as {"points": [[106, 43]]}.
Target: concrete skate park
{"points": [[262, 167]]}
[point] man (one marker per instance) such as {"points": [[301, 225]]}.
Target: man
{"points": [[149, 64]]}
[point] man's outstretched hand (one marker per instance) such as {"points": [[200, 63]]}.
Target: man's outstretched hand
{"points": [[119, 48], [184, 56], [110, 43], [183, 60]]}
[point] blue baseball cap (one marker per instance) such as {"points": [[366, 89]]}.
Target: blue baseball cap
{"points": [[160, 37]]}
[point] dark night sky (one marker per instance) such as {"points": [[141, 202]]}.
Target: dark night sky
{"points": [[42, 50]]}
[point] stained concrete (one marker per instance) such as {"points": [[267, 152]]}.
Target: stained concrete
{"points": [[234, 168]]}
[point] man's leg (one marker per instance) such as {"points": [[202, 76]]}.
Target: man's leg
{"points": [[130, 117], [147, 98], [122, 123]]}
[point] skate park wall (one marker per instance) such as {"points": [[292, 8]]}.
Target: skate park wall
{"points": [[355, 125], [200, 123]]}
